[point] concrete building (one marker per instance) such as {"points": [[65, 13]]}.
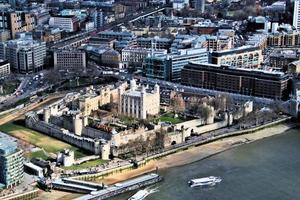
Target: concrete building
{"points": [[284, 39], [4, 68], [135, 56], [137, 102], [70, 60], [156, 43], [296, 15], [218, 43], [241, 57], [116, 35], [98, 18], [47, 34], [24, 54], [200, 5], [282, 58], [11, 162], [168, 67], [4, 35], [250, 82], [17, 21], [66, 23], [111, 58]]}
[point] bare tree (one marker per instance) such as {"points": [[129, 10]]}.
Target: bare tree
{"points": [[177, 103]]}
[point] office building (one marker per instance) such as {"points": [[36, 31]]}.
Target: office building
{"points": [[241, 57], [218, 43], [116, 35], [66, 23], [25, 55], [280, 59], [17, 21], [250, 82], [70, 60], [139, 101], [4, 68], [296, 15], [200, 5], [11, 162], [98, 18], [135, 56], [111, 58], [168, 67], [156, 43]]}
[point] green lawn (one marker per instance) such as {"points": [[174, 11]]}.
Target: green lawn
{"points": [[85, 165], [49, 144], [169, 117], [37, 154]]}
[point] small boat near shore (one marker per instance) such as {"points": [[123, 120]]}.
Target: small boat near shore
{"points": [[206, 181]]}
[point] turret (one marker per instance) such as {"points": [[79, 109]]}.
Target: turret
{"points": [[77, 123]]}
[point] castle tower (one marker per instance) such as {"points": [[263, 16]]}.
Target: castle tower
{"points": [[47, 114], [77, 125]]}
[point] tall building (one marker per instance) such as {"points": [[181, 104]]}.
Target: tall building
{"points": [[24, 54], [11, 162], [200, 5], [296, 17], [139, 102], [16, 21], [98, 18], [168, 67], [252, 82]]}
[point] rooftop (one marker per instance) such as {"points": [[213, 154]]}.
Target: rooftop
{"points": [[8, 144]]}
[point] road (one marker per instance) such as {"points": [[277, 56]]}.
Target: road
{"points": [[22, 111]]}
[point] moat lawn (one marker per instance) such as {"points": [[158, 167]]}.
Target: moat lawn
{"points": [[85, 165], [49, 144]]}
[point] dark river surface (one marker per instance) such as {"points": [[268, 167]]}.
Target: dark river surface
{"points": [[262, 170]]}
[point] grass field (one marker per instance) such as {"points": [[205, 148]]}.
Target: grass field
{"points": [[85, 165], [169, 117], [49, 144]]}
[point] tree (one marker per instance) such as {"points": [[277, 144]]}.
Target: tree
{"points": [[177, 103]]}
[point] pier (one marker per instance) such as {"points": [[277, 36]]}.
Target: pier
{"points": [[122, 187]]}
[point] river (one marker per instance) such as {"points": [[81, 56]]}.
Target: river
{"points": [[265, 169]]}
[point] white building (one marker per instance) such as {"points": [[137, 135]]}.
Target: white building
{"points": [[66, 23], [139, 102], [135, 56], [296, 18], [4, 68]]}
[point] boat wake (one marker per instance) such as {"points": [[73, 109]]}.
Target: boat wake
{"points": [[142, 194], [152, 190]]}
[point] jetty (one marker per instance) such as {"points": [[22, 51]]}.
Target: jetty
{"points": [[122, 187]]}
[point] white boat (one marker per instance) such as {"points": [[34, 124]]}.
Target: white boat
{"points": [[206, 181], [140, 195]]}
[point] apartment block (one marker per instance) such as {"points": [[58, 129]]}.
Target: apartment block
{"points": [[11, 162]]}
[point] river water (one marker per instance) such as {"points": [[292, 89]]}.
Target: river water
{"points": [[265, 169]]}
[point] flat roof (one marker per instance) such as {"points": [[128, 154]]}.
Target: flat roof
{"points": [[8, 144]]}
